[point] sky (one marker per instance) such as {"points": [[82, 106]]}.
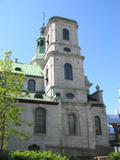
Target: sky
{"points": [[98, 33]]}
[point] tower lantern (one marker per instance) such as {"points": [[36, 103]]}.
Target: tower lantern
{"points": [[40, 49]]}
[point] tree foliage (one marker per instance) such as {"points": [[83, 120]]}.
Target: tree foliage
{"points": [[10, 112], [31, 155], [114, 156]]}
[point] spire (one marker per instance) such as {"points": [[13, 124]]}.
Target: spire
{"points": [[40, 50], [42, 29], [43, 19]]}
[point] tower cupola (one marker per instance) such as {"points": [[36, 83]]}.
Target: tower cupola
{"points": [[40, 49]]}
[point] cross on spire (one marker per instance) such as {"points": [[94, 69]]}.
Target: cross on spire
{"points": [[43, 19]]}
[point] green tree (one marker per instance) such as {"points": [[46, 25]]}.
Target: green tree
{"points": [[10, 112], [114, 156], [32, 155]]}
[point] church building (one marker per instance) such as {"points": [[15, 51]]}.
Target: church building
{"points": [[65, 117]]}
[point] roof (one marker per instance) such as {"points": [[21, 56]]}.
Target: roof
{"points": [[28, 69], [113, 119], [39, 101], [62, 18], [32, 99]]}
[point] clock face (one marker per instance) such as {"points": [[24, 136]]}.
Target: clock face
{"points": [[67, 49]]}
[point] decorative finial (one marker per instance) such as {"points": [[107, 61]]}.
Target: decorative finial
{"points": [[97, 87], [43, 19], [16, 60], [42, 29]]}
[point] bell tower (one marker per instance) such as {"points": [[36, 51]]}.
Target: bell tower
{"points": [[63, 63]]}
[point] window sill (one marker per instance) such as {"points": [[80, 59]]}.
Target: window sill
{"points": [[73, 135], [98, 134], [39, 134]]}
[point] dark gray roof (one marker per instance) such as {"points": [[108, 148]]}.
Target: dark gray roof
{"points": [[113, 119], [62, 18]]}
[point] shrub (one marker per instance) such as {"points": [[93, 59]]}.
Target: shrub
{"points": [[114, 156], [32, 155]]}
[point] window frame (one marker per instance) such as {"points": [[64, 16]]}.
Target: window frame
{"points": [[66, 35], [98, 128], [37, 121], [29, 87], [72, 128], [70, 95], [66, 49], [68, 71], [46, 76]]}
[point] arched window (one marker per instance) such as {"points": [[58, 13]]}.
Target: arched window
{"points": [[65, 34], [41, 43], [98, 125], [72, 124], [40, 120], [38, 43], [31, 85], [68, 71], [42, 46], [48, 39], [47, 80]]}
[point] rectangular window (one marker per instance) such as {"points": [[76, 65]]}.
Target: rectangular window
{"points": [[72, 124]]}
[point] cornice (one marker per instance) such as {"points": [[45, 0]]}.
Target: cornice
{"points": [[37, 101], [53, 53]]}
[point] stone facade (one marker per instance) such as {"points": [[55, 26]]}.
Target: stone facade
{"points": [[64, 97]]}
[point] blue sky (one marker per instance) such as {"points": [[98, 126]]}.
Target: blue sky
{"points": [[99, 36]]}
